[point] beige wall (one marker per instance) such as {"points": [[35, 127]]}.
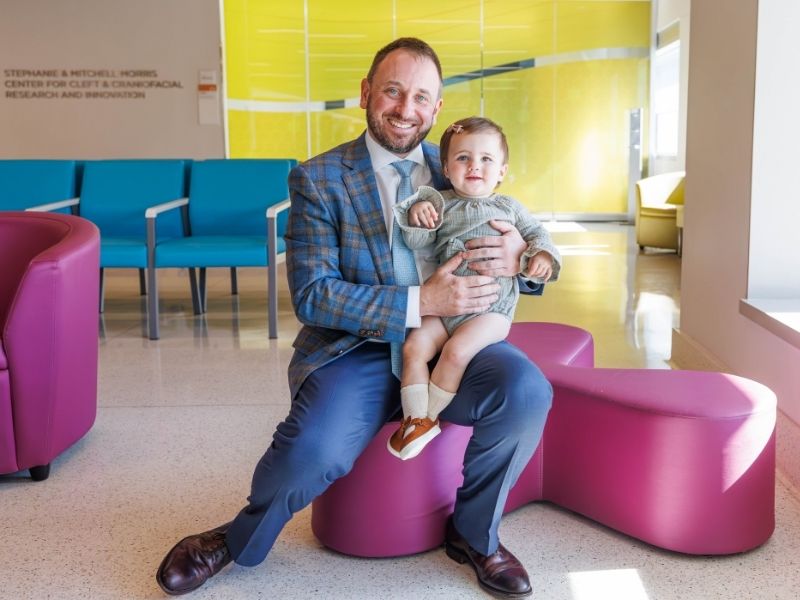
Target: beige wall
{"points": [[174, 38], [719, 161]]}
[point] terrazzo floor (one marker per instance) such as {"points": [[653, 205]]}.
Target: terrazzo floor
{"points": [[182, 421]]}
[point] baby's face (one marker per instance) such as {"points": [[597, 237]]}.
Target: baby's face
{"points": [[475, 163]]}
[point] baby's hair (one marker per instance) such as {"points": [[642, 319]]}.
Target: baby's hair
{"points": [[471, 125]]}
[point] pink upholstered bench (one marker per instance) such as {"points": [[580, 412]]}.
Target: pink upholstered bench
{"points": [[683, 460]]}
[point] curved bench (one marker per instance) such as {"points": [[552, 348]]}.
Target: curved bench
{"points": [[683, 460]]}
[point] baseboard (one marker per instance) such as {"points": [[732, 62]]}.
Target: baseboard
{"points": [[689, 354], [788, 453]]}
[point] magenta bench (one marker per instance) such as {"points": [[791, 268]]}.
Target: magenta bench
{"points": [[683, 460]]}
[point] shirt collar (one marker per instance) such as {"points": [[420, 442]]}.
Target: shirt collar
{"points": [[381, 157]]}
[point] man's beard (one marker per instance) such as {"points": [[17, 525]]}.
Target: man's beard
{"points": [[384, 140]]}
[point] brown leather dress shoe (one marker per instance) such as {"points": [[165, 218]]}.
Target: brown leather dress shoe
{"points": [[500, 573], [193, 560]]}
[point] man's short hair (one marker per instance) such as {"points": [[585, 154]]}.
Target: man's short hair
{"points": [[409, 44]]}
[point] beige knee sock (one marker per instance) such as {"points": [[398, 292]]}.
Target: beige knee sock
{"points": [[438, 400], [414, 399]]}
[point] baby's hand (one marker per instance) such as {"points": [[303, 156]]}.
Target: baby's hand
{"points": [[422, 214], [540, 266]]}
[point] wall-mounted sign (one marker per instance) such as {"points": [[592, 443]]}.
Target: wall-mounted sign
{"points": [[84, 84], [208, 108]]}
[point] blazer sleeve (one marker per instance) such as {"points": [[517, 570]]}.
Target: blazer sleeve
{"points": [[332, 286]]}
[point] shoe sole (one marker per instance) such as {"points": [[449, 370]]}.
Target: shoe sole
{"points": [[415, 447], [418, 445], [391, 450], [461, 558]]}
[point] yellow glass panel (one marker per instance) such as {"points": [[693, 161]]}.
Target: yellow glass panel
{"points": [[451, 27], [265, 50], [590, 157], [522, 104], [333, 127], [267, 134], [582, 24], [566, 122], [342, 42], [517, 30]]}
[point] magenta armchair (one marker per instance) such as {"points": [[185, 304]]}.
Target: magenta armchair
{"points": [[49, 285]]}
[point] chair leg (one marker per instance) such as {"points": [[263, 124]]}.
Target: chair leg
{"points": [[234, 282], [142, 284], [272, 301], [40, 473], [195, 292], [152, 303], [102, 291], [203, 291]]}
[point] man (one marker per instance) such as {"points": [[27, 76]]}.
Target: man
{"points": [[344, 289]]}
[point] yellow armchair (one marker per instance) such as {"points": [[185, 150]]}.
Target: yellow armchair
{"points": [[657, 199]]}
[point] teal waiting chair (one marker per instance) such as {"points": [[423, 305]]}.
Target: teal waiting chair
{"points": [[115, 195], [236, 218], [28, 183]]}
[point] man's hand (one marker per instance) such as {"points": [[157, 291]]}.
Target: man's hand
{"points": [[497, 255], [423, 214], [448, 295]]}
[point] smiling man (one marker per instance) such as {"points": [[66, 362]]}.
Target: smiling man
{"points": [[356, 296]]}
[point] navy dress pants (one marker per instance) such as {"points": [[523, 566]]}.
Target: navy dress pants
{"points": [[341, 406]]}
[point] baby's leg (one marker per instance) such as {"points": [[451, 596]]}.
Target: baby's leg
{"points": [[421, 345], [469, 339]]}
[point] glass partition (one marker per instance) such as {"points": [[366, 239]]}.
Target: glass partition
{"points": [[560, 76]]}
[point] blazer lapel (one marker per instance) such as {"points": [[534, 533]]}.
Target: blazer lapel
{"points": [[359, 179]]}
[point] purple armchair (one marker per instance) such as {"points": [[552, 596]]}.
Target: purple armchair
{"points": [[49, 285]]}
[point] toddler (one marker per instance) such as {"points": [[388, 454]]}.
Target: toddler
{"points": [[474, 155]]}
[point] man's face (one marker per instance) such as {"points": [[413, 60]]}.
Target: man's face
{"points": [[402, 101]]}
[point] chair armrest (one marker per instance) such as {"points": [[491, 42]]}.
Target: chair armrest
{"points": [[153, 211], [54, 205], [150, 215], [272, 262], [273, 210]]}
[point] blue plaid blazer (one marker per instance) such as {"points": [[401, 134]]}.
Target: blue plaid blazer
{"points": [[338, 259]]}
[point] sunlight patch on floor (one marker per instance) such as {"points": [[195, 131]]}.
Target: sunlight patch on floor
{"points": [[563, 226], [615, 584], [584, 249]]}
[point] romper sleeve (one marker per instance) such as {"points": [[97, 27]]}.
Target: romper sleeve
{"points": [[418, 237], [538, 239]]}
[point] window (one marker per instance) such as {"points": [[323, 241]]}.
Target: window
{"points": [[665, 73]]}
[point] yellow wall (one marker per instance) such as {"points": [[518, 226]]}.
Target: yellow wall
{"points": [[566, 117]]}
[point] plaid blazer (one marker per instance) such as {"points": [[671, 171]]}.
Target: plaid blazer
{"points": [[338, 260]]}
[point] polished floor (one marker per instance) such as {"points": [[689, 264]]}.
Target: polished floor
{"points": [[183, 420]]}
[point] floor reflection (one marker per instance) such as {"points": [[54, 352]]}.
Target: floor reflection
{"points": [[627, 299]]}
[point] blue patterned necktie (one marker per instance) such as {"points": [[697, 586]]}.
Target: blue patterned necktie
{"points": [[405, 269]]}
